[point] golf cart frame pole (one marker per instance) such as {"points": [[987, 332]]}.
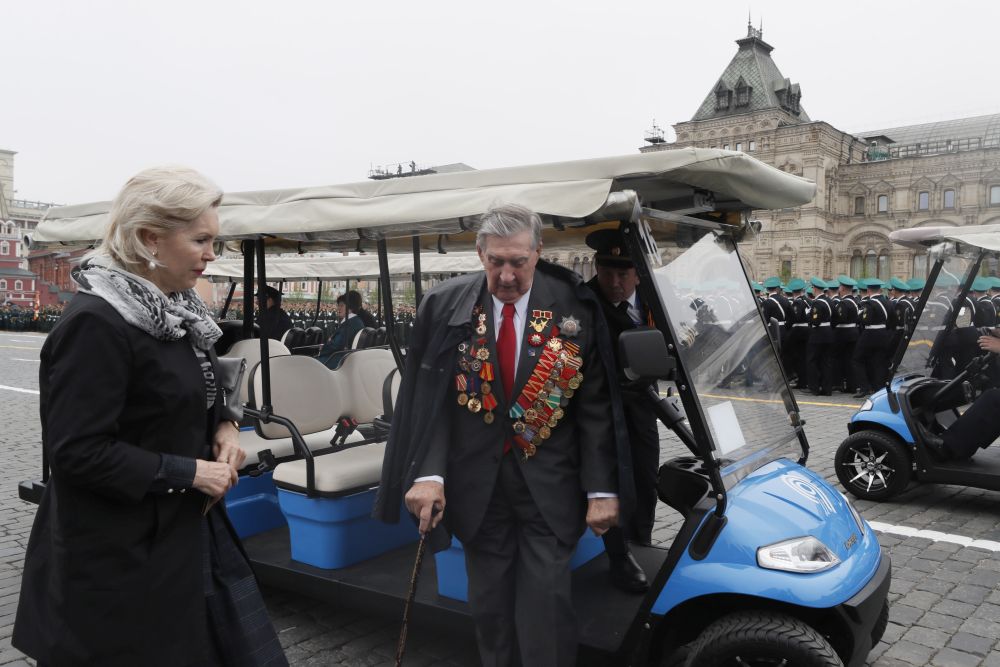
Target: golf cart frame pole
{"points": [[319, 302], [229, 300], [897, 356], [247, 247], [385, 289], [418, 291], [265, 352], [949, 324]]}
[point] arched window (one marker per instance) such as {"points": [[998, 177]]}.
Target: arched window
{"points": [[883, 265], [4, 248], [18, 285], [3, 284], [871, 265], [919, 266], [857, 265], [949, 199], [923, 201]]}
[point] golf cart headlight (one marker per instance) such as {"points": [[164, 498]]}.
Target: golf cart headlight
{"points": [[867, 405], [803, 554]]}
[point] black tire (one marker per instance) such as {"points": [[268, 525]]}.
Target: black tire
{"points": [[880, 625], [761, 639], [873, 465]]}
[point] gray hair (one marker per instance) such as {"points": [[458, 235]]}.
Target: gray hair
{"points": [[161, 200], [506, 220]]}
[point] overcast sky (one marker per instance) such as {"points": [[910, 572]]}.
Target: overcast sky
{"points": [[278, 94]]}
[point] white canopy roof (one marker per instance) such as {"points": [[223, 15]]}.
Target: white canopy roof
{"points": [[343, 267], [443, 203], [979, 236]]}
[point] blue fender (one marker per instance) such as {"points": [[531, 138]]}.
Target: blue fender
{"points": [[780, 501], [880, 413]]}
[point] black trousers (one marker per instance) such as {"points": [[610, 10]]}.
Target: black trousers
{"points": [[871, 359], [819, 355], [977, 428], [519, 581]]}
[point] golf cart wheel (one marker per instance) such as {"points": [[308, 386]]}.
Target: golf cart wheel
{"points": [[873, 466], [761, 639], [880, 624]]}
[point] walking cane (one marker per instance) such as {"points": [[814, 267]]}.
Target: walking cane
{"points": [[421, 547]]}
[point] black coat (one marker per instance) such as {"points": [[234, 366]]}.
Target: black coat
{"points": [[274, 323], [581, 454], [113, 573]]}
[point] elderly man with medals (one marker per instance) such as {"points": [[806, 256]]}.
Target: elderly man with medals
{"points": [[508, 432]]}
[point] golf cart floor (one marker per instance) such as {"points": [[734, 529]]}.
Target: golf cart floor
{"points": [[982, 471], [380, 585]]}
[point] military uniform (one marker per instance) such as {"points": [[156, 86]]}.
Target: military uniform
{"points": [[798, 336], [870, 353], [846, 315], [820, 348]]}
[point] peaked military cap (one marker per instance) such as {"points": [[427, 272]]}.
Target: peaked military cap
{"points": [[772, 282], [872, 283], [796, 284], [916, 284], [899, 284], [846, 281], [980, 284], [610, 247], [817, 282], [757, 287]]}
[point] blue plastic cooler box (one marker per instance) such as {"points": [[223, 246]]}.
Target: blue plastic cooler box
{"points": [[453, 582], [252, 505], [331, 533]]}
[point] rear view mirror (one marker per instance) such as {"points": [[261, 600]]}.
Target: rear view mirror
{"points": [[644, 356]]}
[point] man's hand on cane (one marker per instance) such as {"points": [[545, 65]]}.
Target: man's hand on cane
{"points": [[602, 514], [422, 499]]}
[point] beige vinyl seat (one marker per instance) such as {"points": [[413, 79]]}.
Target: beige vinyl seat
{"points": [[313, 397], [364, 373], [249, 349]]}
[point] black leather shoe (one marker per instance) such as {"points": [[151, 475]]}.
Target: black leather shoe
{"points": [[862, 394], [934, 443], [627, 575]]}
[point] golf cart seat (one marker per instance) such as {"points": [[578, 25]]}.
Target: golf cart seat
{"points": [[232, 331], [314, 337], [294, 338], [329, 524], [363, 373], [249, 349]]}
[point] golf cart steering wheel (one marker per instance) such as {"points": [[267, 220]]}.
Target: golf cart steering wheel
{"points": [[973, 368]]}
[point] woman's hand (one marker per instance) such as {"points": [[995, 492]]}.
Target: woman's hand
{"points": [[989, 343], [226, 446], [213, 478]]}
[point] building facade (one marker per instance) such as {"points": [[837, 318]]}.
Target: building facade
{"points": [[867, 184], [27, 280]]}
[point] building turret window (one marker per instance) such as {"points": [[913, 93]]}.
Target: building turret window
{"points": [[743, 92], [883, 203], [995, 195], [949, 199], [723, 97], [859, 206], [923, 201]]}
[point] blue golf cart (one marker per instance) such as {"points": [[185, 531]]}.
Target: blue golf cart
{"points": [[935, 372], [771, 565]]}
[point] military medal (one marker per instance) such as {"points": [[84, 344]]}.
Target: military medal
{"points": [[536, 340], [488, 418], [474, 405], [570, 326], [463, 398], [539, 320]]}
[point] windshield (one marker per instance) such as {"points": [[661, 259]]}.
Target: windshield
{"points": [[932, 320], [727, 356]]}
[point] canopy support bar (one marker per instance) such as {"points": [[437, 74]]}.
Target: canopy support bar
{"points": [[248, 249], [418, 291], [386, 292], [265, 351]]}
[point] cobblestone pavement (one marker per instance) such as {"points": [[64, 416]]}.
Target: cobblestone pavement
{"points": [[945, 598]]}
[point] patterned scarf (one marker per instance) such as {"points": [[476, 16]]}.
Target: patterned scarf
{"points": [[143, 305]]}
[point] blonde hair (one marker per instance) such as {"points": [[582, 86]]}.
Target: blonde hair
{"points": [[161, 200]]}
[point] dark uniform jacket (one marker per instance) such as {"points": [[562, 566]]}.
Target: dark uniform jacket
{"points": [[274, 323], [432, 434], [112, 572]]}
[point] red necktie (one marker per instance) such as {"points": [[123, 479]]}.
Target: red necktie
{"points": [[507, 350]]}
